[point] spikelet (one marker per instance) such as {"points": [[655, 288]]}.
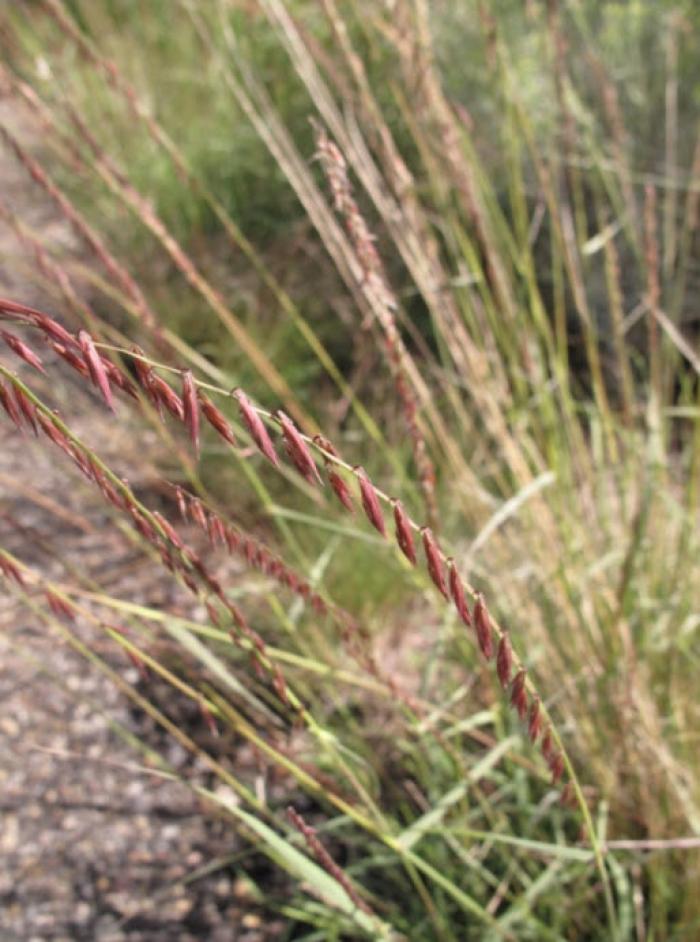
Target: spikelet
{"points": [[59, 606], [71, 357], [370, 502], [22, 351], [404, 532], [165, 395], [298, 450], [434, 560], [9, 404], [27, 408], [457, 593], [256, 427], [340, 489], [534, 722], [482, 623], [504, 661], [96, 367], [191, 408], [216, 418], [518, 695], [11, 570], [556, 766]]}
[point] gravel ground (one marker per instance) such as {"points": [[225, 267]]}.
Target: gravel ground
{"points": [[92, 845]]}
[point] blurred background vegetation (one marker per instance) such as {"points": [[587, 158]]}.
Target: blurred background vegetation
{"points": [[531, 171]]}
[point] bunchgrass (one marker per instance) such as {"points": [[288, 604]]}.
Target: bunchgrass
{"points": [[418, 336]]}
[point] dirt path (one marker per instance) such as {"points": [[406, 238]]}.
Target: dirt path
{"points": [[91, 848]]}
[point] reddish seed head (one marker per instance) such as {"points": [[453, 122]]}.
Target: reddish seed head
{"points": [[504, 661], [22, 350], [518, 694], [298, 450], [534, 722], [482, 623], [191, 407], [216, 418], [96, 367], [404, 532], [457, 593], [341, 489], [434, 560], [370, 501], [256, 427]]}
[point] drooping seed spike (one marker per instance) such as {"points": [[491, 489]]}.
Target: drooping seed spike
{"points": [[96, 367], [482, 623], [256, 427], [518, 694], [434, 559], [27, 408], [504, 661], [190, 404], [534, 722], [22, 350], [216, 418], [298, 450], [457, 593], [404, 532], [370, 501]]}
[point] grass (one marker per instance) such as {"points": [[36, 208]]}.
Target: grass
{"points": [[482, 293]]}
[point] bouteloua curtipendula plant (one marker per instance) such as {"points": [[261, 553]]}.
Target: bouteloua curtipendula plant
{"points": [[190, 402]]}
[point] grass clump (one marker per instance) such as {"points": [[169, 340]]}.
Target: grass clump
{"points": [[430, 380]]}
